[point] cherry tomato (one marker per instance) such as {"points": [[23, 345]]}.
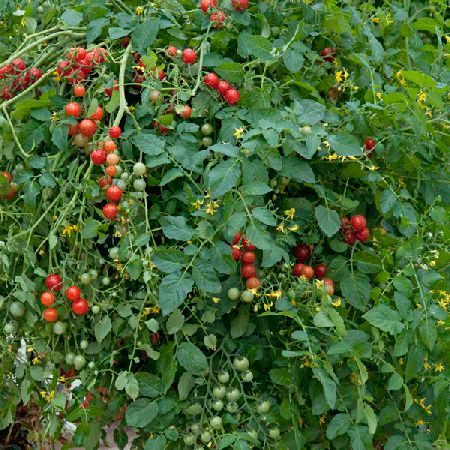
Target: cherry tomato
{"points": [[233, 293], [248, 257], [17, 309], [53, 282], [51, 315], [253, 283], [59, 327], [79, 362], [47, 298], [241, 363], [80, 307], [73, 293], [358, 222], [248, 271], [320, 270], [73, 109], [302, 252], [247, 296], [79, 90]]}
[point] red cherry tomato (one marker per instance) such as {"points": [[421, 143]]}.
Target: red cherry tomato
{"points": [[73, 293]]}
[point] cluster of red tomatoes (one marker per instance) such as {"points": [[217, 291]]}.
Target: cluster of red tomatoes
{"points": [[54, 284], [141, 73], [355, 229], [230, 94], [12, 190], [369, 145], [218, 17], [247, 258], [18, 77], [302, 252], [79, 63]]}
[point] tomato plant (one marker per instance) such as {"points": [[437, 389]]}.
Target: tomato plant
{"points": [[225, 223]]}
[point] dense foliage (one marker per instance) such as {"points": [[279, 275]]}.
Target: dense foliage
{"points": [[225, 223]]}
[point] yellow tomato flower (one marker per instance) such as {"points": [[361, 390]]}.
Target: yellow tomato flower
{"points": [[341, 75], [336, 303], [216, 299], [376, 20], [290, 213], [439, 367], [238, 132], [139, 10]]}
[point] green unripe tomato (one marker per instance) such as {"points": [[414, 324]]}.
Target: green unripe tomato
{"points": [[206, 436], [219, 392], [305, 130], [106, 281], [217, 405], [125, 176], [69, 358], [119, 170], [273, 183], [95, 309], [216, 422], [233, 293], [113, 252], [93, 274], [207, 142], [274, 433], [59, 327], [85, 278], [223, 376], [263, 407], [232, 407], [233, 395], [247, 376], [253, 434], [240, 363], [139, 185], [91, 365], [291, 294], [10, 327], [84, 344], [195, 429], [79, 362], [284, 181], [121, 184], [17, 309], [139, 169], [206, 129], [189, 439], [247, 296]]}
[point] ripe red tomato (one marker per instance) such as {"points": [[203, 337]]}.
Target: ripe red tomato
{"points": [[47, 298], [51, 315], [350, 237], [98, 157], [346, 222], [302, 252], [103, 181], [88, 127], [77, 54], [358, 222], [10, 195], [186, 112], [171, 51], [35, 73], [223, 86], [18, 65], [98, 114], [248, 258], [320, 270], [115, 132], [232, 96], [297, 270], [114, 194], [364, 235], [80, 307], [110, 210], [79, 90], [7, 175], [248, 245], [53, 282], [161, 75], [328, 54], [236, 253], [329, 285], [211, 80], [253, 283], [206, 4], [109, 146], [112, 159], [189, 56], [73, 109], [73, 293], [308, 272], [239, 5], [248, 271], [154, 337], [218, 18], [73, 129], [237, 237], [370, 143]]}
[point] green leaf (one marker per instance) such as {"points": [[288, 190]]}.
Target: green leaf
{"points": [[150, 385], [59, 137], [94, 29], [210, 341], [395, 382], [185, 385], [387, 201], [170, 175], [280, 376], [265, 216], [156, 443], [117, 32], [206, 279], [345, 144], [309, 111], [231, 71], [419, 78], [257, 46], [114, 103], [338, 425], [298, 170], [148, 143], [175, 227], [71, 18], [368, 262], [90, 228], [30, 192], [328, 220], [239, 323], [293, 57], [169, 259], [102, 328], [329, 386], [225, 149], [175, 322], [255, 188], [173, 291], [144, 35], [385, 319], [132, 386], [224, 177], [191, 358], [356, 288], [371, 418], [141, 412]]}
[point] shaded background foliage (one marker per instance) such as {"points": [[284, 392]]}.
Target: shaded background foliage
{"points": [[364, 368]]}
